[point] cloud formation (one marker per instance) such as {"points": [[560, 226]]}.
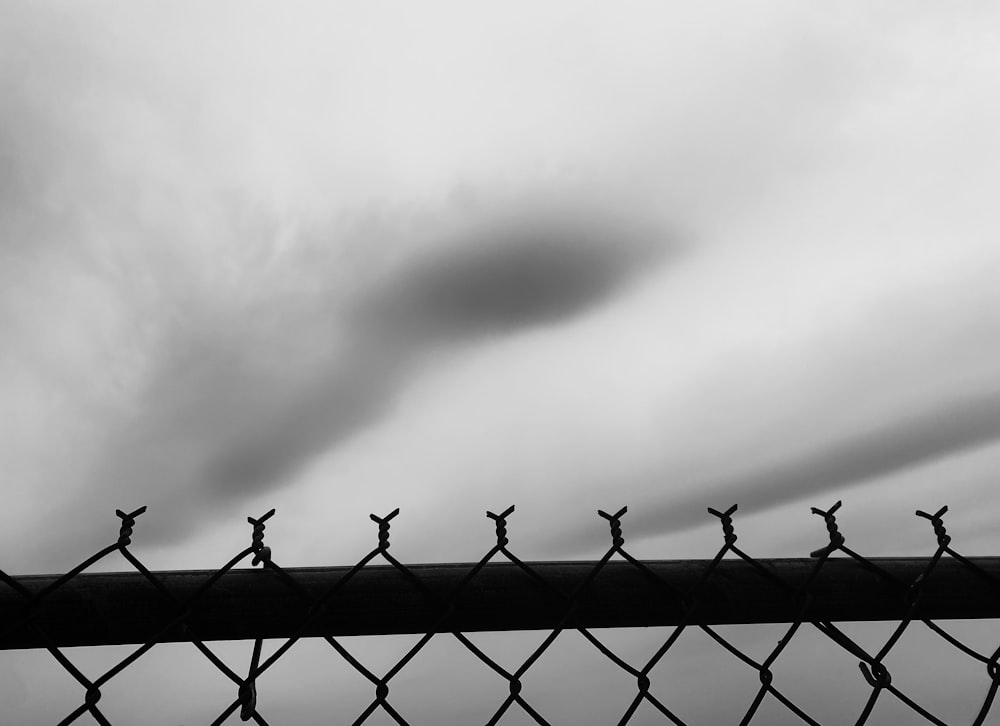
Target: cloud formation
{"points": [[200, 337], [237, 403], [516, 270], [497, 279], [222, 267], [891, 446]]}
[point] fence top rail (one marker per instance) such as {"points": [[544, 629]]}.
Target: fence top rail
{"points": [[784, 563], [133, 607], [381, 595]]}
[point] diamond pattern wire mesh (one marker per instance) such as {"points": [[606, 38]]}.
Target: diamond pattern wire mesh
{"points": [[871, 663]]}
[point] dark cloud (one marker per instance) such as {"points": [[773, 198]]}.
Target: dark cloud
{"points": [[233, 398], [904, 443], [526, 270], [317, 416], [231, 409], [515, 276]]}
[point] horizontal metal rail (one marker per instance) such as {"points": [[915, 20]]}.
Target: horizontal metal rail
{"points": [[119, 608]]}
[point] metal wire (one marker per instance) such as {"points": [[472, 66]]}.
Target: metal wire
{"points": [[565, 602]]}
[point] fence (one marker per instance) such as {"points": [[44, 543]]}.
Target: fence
{"points": [[147, 608]]}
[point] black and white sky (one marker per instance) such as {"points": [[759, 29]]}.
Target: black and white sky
{"points": [[335, 258]]}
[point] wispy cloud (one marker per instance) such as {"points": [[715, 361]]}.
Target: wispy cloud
{"points": [[219, 269], [241, 396], [919, 438]]}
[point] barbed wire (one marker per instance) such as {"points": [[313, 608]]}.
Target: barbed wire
{"points": [[570, 596]]}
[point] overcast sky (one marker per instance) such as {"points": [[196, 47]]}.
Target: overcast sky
{"points": [[336, 258]]}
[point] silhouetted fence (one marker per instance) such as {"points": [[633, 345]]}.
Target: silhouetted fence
{"points": [[145, 608]]}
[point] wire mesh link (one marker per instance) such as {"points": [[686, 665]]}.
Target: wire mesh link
{"points": [[569, 604]]}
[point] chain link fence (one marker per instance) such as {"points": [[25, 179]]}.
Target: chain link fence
{"points": [[380, 595]]}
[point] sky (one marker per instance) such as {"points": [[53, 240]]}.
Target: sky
{"points": [[337, 258]]}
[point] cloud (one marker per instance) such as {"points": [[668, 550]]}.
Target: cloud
{"points": [[192, 332], [224, 325], [499, 278], [921, 437], [238, 398], [525, 268]]}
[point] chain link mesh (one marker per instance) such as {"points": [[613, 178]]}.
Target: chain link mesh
{"points": [[245, 702]]}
